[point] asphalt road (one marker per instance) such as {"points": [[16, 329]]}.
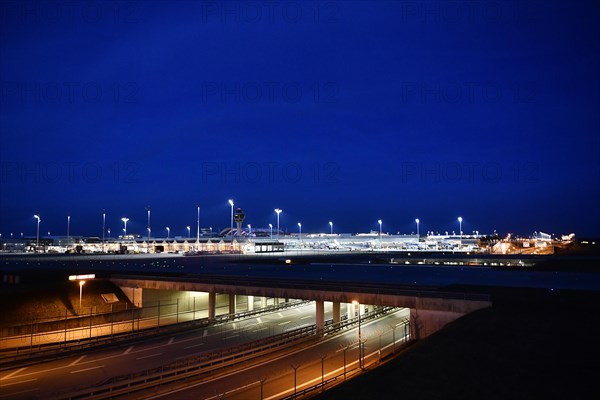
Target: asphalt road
{"points": [[44, 379], [322, 360]]}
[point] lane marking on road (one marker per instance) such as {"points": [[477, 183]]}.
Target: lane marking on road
{"points": [[261, 329], [12, 374], [87, 369], [76, 361], [284, 323], [231, 337], [128, 350], [280, 315], [171, 340], [205, 333], [259, 320], [21, 392], [151, 355], [348, 333], [194, 345], [308, 316], [16, 383]]}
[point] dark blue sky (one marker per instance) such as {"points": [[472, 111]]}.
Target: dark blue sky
{"points": [[343, 111]]}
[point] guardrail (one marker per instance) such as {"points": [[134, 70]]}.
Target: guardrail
{"points": [[9, 357], [209, 361]]}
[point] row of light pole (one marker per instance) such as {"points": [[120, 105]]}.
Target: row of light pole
{"points": [[278, 211]]}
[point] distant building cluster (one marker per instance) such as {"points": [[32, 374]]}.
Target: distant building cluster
{"points": [[261, 241]]}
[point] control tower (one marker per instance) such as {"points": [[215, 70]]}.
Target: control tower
{"points": [[239, 219]]}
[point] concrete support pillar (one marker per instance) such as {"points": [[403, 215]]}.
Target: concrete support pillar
{"points": [[362, 309], [320, 315], [232, 304], [350, 310], [336, 312], [250, 303], [275, 301], [212, 305], [263, 302]]}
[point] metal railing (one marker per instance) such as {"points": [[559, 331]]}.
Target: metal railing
{"points": [[64, 346], [210, 361]]}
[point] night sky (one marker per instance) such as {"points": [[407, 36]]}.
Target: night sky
{"points": [[333, 111]]}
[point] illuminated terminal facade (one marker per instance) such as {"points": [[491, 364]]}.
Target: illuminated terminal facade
{"points": [[260, 243]]}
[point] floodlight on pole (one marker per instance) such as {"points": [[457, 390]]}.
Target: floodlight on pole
{"points": [[198, 225], [231, 226], [38, 231], [271, 227], [278, 211], [148, 228], [103, 226], [380, 222], [300, 230], [188, 229], [124, 219], [331, 227], [417, 221], [168, 232]]}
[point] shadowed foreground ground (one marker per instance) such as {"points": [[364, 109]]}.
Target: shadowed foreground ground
{"points": [[533, 344]]}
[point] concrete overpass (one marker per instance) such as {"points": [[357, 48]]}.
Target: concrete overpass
{"points": [[430, 309]]}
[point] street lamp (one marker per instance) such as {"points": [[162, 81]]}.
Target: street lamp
{"points": [[231, 227], [103, 226], [300, 230], [148, 209], [417, 221], [331, 227], [168, 232], [124, 219], [460, 226], [278, 211], [379, 221], [81, 279], [271, 227], [68, 227], [188, 229], [38, 231], [198, 225], [109, 234], [249, 230], [360, 363]]}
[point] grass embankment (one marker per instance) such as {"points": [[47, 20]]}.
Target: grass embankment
{"points": [[532, 344], [41, 301]]}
